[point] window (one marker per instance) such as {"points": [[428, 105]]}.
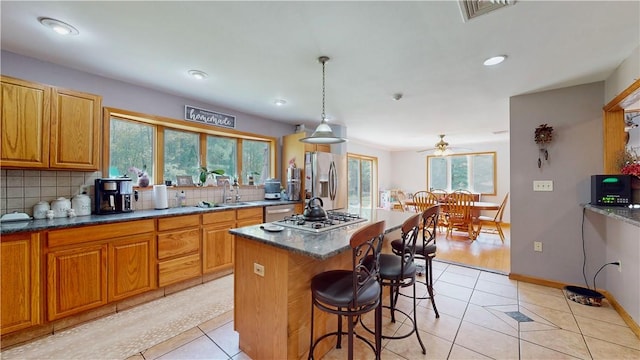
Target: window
{"points": [[255, 160], [222, 153], [362, 182], [168, 148], [475, 172], [131, 145], [181, 154]]}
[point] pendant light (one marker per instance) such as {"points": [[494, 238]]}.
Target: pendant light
{"points": [[323, 133]]}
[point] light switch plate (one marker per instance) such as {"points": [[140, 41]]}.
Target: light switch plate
{"points": [[537, 246], [542, 185]]}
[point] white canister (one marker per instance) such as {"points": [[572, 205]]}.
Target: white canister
{"points": [[81, 203], [40, 210], [60, 207]]}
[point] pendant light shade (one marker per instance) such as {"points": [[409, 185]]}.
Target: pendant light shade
{"points": [[323, 133]]}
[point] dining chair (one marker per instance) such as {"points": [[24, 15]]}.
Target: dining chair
{"points": [[495, 221], [440, 193], [423, 200], [402, 198], [459, 213], [351, 293]]}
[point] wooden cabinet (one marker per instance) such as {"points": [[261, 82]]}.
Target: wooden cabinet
{"points": [[130, 266], [49, 127], [178, 249], [250, 216], [20, 303], [24, 123], [217, 242], [75, 130], [76, 280], [89, 266]]}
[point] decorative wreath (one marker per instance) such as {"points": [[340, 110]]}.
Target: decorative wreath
{"points": [[544, 134]]}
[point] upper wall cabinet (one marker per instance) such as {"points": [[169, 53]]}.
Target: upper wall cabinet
{"points": [[46, 127]]}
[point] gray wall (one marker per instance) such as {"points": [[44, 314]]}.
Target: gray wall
{"points": [[122, 95], [555, 218]]}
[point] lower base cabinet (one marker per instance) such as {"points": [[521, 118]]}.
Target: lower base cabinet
{"points": [[217, 242], [130, 264], [88, 267], [178, 249], [20, 287], [76, 280]]}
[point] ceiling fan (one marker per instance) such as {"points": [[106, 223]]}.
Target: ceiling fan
{"points": [[441, 148]]}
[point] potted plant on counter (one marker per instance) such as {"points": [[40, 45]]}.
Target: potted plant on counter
{"points": [[205, 174]]}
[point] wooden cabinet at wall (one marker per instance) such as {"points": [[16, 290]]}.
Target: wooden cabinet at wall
{"points": [[178, 249], [293, 150], [89, 266], [217, 242], [250, 216], [49, 127], [20, 303], [131, 266]]}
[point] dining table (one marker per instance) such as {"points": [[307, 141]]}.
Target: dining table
{"points": [[477, 205], [475, 211]]}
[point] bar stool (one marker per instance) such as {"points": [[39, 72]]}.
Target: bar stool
{"points": [[351, 293], [426, 250], [400, 272]]}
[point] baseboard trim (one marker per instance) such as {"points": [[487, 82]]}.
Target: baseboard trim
{"points": [[559, 285]]}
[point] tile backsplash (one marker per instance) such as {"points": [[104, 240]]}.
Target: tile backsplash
{"points": [[20, 190]]}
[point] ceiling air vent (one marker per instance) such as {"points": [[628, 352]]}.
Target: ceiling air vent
{"points": [[474, 8]]}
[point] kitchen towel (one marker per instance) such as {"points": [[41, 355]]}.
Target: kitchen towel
{"points": [[160, 196]]}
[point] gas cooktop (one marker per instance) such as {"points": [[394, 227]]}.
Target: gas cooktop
{"points": [[335, 220]]}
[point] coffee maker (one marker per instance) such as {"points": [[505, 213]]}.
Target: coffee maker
{"points": [[113, 195], [293, 183]]}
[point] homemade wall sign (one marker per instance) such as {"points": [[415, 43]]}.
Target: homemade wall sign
{"points": [[209, 117]]}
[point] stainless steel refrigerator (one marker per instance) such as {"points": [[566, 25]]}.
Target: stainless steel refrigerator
{"points": [[326, 178]]}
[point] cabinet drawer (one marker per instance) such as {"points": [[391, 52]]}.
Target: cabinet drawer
{"points": [[250, 213], [178, 222], [218, 216], [178, 243], [98, 232], [175, 270]]}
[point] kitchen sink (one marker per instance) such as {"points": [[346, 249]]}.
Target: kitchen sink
{"points": [[220, 205]]}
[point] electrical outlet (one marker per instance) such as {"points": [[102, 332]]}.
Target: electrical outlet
{"points": [[542, 185], [619, 266], [258, 269], [537, 246]]}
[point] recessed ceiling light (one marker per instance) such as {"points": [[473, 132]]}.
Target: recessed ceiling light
{"points": [[197, 74], [495, 60], [280, 102], [58, 26]]}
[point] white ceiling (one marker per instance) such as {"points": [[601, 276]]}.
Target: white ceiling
{"points": [[257, 52]]}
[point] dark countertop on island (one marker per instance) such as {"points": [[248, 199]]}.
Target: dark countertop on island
{"points": [[60, 223], [622, 213], [321, 245]]}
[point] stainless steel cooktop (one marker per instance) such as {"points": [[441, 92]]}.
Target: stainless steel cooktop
{"points": [[335, 220]]}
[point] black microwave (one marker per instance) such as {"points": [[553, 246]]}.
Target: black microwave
{"points": [[610, 190]]}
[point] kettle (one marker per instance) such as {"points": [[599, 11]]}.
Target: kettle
{"points": [[314, 212]]}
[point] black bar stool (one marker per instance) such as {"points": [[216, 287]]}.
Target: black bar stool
{"points": [[425, 250], [400, 272], [351, 293]]}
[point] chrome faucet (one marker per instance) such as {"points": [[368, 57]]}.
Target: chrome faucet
{"points": [[225, 198], [235, 187]]}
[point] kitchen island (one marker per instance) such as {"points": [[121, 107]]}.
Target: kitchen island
{"points": [[273, 271]]}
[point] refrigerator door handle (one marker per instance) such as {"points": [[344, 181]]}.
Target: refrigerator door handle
{"points": [[333, 181]]}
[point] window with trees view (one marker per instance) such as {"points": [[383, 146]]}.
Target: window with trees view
{"points": [[167, 148], [362, 181], [475, 172], [130, 145]]}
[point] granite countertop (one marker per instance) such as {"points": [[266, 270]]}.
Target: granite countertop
{"points": [[321, 245], [60, 223], [625, 214]]}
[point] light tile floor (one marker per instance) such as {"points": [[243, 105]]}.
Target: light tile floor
{"points": [[483, 315]]}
